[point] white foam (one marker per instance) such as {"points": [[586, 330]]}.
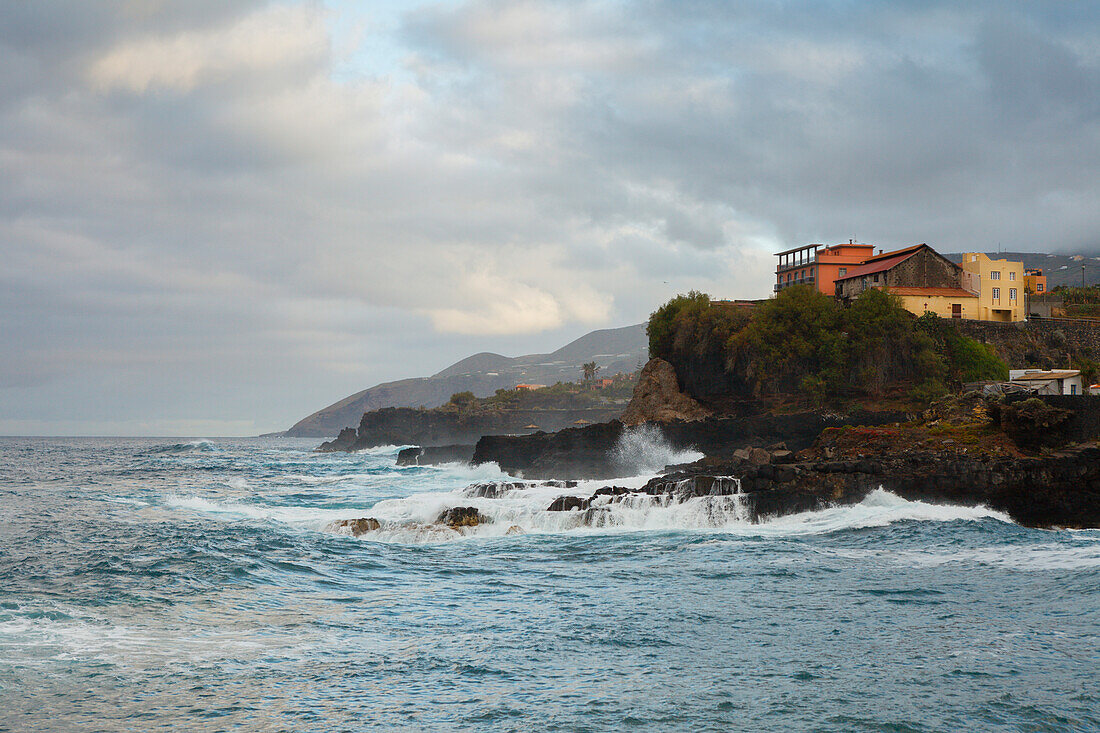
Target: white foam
{"points": [[301, 516], [879, 509], [526, 508], [644, 449], [413, 519]]}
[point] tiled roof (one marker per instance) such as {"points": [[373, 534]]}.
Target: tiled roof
{"points": [[872, 266], [895, 253], [931, 292]]}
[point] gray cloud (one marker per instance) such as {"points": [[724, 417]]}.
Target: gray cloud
{"points": [[204, 229]]}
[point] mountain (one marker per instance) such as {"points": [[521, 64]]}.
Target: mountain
{"points": [[614, 350], [1059, 269]]}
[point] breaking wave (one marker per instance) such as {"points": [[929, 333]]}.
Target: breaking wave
{"points": [[644, 449], [510, 508], [193, 446]]}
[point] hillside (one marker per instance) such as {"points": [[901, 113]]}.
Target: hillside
{"points": [[614, 350]]}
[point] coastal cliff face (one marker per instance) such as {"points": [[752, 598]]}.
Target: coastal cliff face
{"points": [[1061, 490], [597, 451], [405, 426]]}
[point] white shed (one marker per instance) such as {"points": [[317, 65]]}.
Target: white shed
{"points": [[1049, 381]]}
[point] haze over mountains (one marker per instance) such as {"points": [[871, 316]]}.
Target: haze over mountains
{"points": [[614, 350]]}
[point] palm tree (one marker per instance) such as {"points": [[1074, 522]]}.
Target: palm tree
{"points": [[590, 370]]}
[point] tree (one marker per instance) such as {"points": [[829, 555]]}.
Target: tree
{"points": [[590, 371]]}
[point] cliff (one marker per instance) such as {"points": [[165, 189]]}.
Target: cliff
{"points": [[963, 450]]}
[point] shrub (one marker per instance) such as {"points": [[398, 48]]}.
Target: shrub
{"points": [[662, 322]]}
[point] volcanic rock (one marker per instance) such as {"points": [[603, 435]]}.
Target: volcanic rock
{"points": [[568, 504], [355, 527], [658, 398], [462, 516]]}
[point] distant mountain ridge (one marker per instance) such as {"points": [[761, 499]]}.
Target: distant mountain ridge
{"points": [[614, 350]]}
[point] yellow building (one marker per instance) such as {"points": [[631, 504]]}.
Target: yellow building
{"points": [[1000, 286], [944, 302]]}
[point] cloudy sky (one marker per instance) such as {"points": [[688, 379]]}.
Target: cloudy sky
{"points": [[217, 217]]}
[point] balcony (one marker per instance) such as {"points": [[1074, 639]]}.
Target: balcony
{"points": [[797, 281]]}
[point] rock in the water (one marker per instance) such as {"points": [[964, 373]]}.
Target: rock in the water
{"points": [[658, 398], [515, 529], [344, 441], [759, 456], [355, 527], [568, 504], [462, 516], [434, 455]]}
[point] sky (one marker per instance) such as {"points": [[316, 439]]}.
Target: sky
{"points": [[217, 217]]}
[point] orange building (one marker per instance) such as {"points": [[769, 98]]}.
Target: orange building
{"points": [[819, 265], [1035, 282]]}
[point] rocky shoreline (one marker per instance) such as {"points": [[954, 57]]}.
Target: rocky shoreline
{"points": [[1059, 490], [594, 451], [1036, 460]]}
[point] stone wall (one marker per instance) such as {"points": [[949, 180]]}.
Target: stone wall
{"points": [[925, 269], [1078, 334]]}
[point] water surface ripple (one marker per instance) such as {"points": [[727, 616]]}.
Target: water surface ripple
{"points": [[191, 585]]}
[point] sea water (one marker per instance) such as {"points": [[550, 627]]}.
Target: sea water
{"points": [[193, 585]]}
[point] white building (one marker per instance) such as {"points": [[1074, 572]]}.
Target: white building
{"points": [[1049, 381]]}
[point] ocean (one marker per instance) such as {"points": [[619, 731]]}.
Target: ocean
{"points": [[160, 584]]}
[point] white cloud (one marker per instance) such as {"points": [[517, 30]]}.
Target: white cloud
{"points": [[273, 38], [207, 188]]}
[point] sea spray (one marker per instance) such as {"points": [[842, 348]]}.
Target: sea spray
{"points": [[645, 449]]}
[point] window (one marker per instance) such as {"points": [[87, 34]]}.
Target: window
{"points": [[1012, 293], [876, 277], [996, 293], [1073, 389], [843, 271], [1012, 276], [1039, 287], [995, 275]]}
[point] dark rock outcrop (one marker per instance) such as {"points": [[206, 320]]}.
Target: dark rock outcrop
{"points": [[437, 428], [355, 527], [658, 398], [1060, 490], [462, 516], [568, 504], [342, 442], [434, 454], [588, 452]]}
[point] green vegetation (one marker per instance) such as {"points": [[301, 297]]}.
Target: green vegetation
{"points": [[803, 344], [560, 396], [667, 320], [1078, 296]]}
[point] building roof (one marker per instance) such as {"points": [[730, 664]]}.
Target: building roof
{"points": [[933, 292], [872, 266], [1046, 376], [799, 249]]}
